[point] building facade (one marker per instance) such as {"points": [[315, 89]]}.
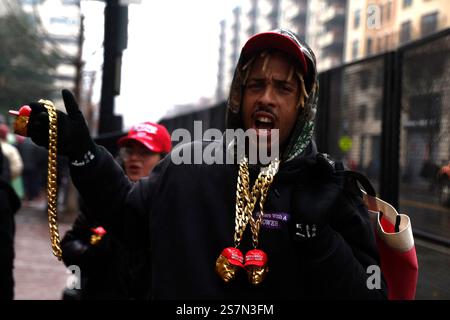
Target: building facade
{"points": [[59, 22], [9, 7], [376, 26], [320, 22]]}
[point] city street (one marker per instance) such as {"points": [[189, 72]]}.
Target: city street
{"points": [[422, 205]]}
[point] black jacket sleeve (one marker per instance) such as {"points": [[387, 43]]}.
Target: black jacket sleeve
{"points": [[77, 248], [119, 205]]}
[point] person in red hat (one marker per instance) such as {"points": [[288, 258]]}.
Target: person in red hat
{"points": [[142, 148], [301, 234], [108, 270]]}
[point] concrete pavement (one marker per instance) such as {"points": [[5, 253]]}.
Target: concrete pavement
{"points": [[38, 273]]}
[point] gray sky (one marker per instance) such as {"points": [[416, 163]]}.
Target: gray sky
{"points": [[171, 58]]}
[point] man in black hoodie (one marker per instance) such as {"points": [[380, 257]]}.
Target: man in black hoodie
{"points": [[237, 230]]}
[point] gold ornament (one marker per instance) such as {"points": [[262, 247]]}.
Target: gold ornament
{"points": [[228, 263], [52, 190], [245, 205], [256, 266], [20, 127]]}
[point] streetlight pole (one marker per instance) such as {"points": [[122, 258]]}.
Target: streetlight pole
{"points": [[115, 41]]}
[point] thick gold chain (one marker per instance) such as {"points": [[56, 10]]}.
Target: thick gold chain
{"points": [[52, 190], [246, 201], [266, 181], [242, 198]]}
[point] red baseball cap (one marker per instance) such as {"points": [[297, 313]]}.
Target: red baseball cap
{"points": [[153, 136], [255, 257], [234, 256], [281, 40]]}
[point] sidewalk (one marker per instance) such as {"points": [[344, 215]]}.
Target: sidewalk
{"points": [[434, 271], [38, 273]]}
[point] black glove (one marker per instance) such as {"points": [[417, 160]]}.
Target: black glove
{"points": [[313, 200], [73, 139]]}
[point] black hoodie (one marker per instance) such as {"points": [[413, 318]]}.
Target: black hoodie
{"points": [[183, 216]]}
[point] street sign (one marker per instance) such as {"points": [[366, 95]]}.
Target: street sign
{"points": [[345, 143]]}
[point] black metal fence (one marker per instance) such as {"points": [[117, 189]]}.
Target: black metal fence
{"points": [[387, 116], [424, 182]]}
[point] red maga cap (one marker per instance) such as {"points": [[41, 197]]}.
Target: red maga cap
{"points": [[99, 231], [255, 257], [274, 40], [234, 256], [154, 137], [23, 111]]}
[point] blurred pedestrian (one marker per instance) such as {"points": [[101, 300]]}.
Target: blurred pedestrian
{"points": [[11, 152], [34, 170], [9, 205]]}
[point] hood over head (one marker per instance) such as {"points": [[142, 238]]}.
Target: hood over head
{"points": [[287, 42]]}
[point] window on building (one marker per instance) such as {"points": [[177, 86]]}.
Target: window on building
{"points": [[405, 32], [378, 109], [355, 47], [364, 79], [357, 19], [428, 24], [369, 44], [379, 79], [388, 11], [64, 39], [32, 2], [70, 2], [380, 44], [362, 112], [407, 3], [63, 20]]}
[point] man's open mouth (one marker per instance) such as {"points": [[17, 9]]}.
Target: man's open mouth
{"points": [[134, 167], [264, 121]]}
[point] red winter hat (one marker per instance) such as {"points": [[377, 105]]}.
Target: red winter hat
{"points": [[234, 256], [255, 257], [153, 136]]}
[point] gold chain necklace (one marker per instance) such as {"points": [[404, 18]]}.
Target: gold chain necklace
{"points": [[20, 127], [52, 189], [231, 259]]}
